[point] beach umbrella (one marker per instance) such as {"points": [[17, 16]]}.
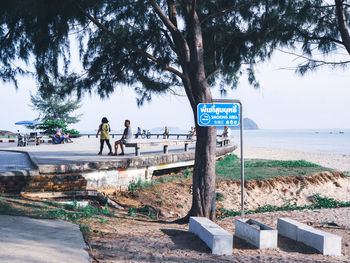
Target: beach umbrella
{"points": [[27, 123]]}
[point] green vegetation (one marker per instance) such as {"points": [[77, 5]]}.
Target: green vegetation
{"points": [[146, 210], [141, 185], [229, 168], [317, 202], [55, 111], [188, 173], [50, 210], [219, 196]]}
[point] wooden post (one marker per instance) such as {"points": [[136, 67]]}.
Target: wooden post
{"points": [[186, 147], [165, 149], [137, 151]]}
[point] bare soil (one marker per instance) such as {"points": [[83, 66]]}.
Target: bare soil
{"points": [[125, 239], [137, 238], [173, 198]]}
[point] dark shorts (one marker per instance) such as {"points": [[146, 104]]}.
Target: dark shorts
{"points": [[123, 141]]}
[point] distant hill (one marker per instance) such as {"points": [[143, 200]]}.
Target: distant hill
{"points": [[249, 124], [6, 133]]}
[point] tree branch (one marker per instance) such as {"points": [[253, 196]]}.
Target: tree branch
{"points": [[168, 38], [304, 35], [225, 11], [169, 25], [213, 73], [322, 62], [172, 12], [127, 45], [179, 40]]}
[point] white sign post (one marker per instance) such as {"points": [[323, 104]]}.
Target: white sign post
{"points": [[224, 112]]}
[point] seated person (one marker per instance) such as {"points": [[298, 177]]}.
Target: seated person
{"points": [[127, 136], [58, 139], [166, 133], [138, 132], [66, 137], [59, 132], [226, 133], [192, 132]]}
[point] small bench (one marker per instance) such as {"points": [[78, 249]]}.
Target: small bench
{"points": [[327, 243], [223, 141], [138, 144], [217, 239]]}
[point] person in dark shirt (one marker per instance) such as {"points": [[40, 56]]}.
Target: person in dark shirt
{"points": [[127, 136], [138, 132]]}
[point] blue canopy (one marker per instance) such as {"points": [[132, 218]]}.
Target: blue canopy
{"points": [[27, 123]]}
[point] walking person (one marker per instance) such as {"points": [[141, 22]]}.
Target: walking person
{"points": [[166, 133], [127, 136], [104, 129]]}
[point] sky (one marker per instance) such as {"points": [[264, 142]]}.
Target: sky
{"points": [[318, 100]]}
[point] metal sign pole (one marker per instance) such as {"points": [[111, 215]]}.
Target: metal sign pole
{"points": [[241, 142], [242, 160]]}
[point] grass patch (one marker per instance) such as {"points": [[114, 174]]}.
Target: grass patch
{"points": [[219, 196], [51, 210], [133, 186], [318, 202], [230, 168]]}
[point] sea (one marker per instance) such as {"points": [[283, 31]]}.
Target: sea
{"points": [[307, 140], [325, 141]]}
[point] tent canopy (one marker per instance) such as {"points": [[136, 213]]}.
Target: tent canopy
{"points": [[27, 123]]}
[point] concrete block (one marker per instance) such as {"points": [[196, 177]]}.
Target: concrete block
{"points": [[289, 228], [256, 233], [217, 239], [328, 244], [78, 203]]}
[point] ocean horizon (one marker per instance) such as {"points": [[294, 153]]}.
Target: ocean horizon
{"points": [[335, 141]]}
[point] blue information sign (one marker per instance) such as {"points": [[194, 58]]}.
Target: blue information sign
{"points": [[218, 114]]}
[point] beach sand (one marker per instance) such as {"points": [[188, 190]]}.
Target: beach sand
{"points": [[338, 162]]}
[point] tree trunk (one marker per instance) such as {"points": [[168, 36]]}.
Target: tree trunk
{"points": [[344, 33], [203, 188], [197, 90], [203, 200]]}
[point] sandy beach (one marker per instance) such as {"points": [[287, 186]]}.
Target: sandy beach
{"points": [[338, 162]]}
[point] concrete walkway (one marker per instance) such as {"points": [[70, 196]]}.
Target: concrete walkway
{"points": [[12, 161], [29, 240], [84, 150]]}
